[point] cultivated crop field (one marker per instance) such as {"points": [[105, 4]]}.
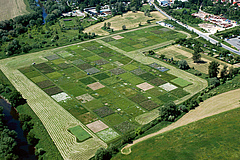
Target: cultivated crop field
{"points": [[131, 41], [129, 19], [91, 93], [11, 8]]}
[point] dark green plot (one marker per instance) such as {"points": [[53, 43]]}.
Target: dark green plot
{"points": [[88, 80], [101, 76], [147, 76]]}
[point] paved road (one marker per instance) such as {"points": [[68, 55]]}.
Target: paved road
{"points": [[204, 35]]}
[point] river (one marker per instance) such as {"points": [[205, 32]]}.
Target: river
{"points": [[25, 151], [43, 10]]}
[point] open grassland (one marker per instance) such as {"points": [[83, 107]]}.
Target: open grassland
{"points": [[179, 53], [55, 119], [215, 137], [212, 106], [129, 19], [11, 8]]}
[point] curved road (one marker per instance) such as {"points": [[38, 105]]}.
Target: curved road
{"points": [[203, 35]]}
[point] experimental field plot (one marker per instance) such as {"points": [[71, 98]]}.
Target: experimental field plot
{"points": [[104, 89], [139, 39]]}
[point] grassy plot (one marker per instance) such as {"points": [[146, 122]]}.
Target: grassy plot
{"points": [[107, 134], [181, 82], [80, 133]]}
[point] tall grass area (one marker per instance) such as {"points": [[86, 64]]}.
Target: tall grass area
{"points": [[215, 137], [39, 130]]}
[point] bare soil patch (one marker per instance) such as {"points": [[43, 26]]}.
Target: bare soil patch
{"points": [[145, 86], [95, 86], [85, 98], [97, 126], [117, 37]]}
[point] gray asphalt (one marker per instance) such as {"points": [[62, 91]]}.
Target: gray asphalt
{"points": [[195, 30]]}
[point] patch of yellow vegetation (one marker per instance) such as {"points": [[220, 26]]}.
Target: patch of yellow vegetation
{"points": [[129, 19], [11, 8]]}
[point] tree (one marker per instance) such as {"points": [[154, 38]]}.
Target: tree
{"points": [[124, 27], [98, 8], [213, 69], [223, 72], [104, 25], [169, 111], [213, 81], [16, 99], [102, 154], [196, 57], [108, 25], [133, 9], [32, 139], [183, 64]]}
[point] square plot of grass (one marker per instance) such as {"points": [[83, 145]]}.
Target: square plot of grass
{"points": [[70, 70], [118, 63], [167, 97], [95, 86], [44, 68], [64, 54], [52, 57], [134, 111], [108, 66], [93, 58], [91, 48], [26, 69], [135, 80], [138, 71], [117, 71], [101, 62], [181, 82], [179, 92], [88, 80], [80, 133], [53, 90], [87, 118], [32, 74], [103, 111], [64, 65], [58, 61], [92, 70], [156, 92], [78, 61], [145, 86], [54, 75], [126, 75], [38, 79], [84, 66], [129, 67], [101, 76], [105, 55], [45, 84], [125, 127], [85, 98], [76, 91], [128, 92], [97, 126], [138, 98], [78, 75], [108, 39], [149, 105], [111, 80], [168, 87], [123, 104], [94, 104], [157, 81], [114, 119], [147, 76], [61, 97], [107, 134], [104, 91], [125, 60]]}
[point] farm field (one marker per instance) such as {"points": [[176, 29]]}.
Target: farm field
{"points": [[104, 90], [129, 19], [179, 53], [11, 8], [216, 134], [131, 41]]}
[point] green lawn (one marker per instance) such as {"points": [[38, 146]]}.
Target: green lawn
{"points": [[80, 133], [216, 137], [181, 82]]}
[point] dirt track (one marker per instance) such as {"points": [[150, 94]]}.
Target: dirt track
{"points": [[212, 106]]}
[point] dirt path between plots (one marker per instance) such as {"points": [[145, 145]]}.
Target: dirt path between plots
{"points": [[212, 106]]}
